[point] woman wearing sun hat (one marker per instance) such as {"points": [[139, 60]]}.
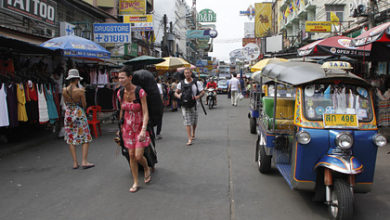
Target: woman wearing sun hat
{"points": [[75, 121]]}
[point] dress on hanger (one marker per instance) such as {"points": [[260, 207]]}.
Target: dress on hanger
{"points": [[22, 114], [12, 105], [33, 112], [51, 106], [4, 118], [42, 106]]}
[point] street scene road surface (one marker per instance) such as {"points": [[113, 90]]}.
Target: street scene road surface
{"points": [[215, 178]]}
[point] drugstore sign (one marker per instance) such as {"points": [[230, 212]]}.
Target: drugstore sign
{"points": [[40, 10]]}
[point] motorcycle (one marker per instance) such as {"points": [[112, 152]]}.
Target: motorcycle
{"points": [[317, 127], [211, 97]]}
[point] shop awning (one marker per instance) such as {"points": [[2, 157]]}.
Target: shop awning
{"points": [[12, 45], [380, 33], [337, 45]]}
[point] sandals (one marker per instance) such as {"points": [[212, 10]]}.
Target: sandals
{"points": [[134, 189], [189, 142], [148, 178]]}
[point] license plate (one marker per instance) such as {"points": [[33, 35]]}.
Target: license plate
{"points": [[340, 121]]}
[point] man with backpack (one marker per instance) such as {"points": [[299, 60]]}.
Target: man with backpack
{"points": [[189, 91]]}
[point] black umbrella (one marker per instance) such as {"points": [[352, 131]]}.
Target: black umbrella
{"points": [[144, 60]]}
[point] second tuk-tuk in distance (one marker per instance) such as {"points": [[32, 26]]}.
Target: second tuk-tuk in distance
{"points": [[317, 126]]}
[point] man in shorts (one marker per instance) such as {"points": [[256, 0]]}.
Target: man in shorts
{"points": [[190, 114]]}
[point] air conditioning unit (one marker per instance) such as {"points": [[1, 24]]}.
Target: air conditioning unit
{"points": [[359, 8], [49, 32]]}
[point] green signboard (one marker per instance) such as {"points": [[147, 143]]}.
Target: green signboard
{"points": [[207, 15]]}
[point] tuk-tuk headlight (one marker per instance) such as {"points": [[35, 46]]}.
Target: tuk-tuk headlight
{"points": [[380, 140], [344, 140], [303, 137]]}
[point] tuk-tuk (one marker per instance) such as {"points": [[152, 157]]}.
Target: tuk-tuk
{"points": [[317, 126]]}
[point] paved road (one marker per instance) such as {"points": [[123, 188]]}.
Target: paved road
{"points": [[216, 178]]}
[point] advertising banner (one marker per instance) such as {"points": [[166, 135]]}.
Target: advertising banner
{"points": [[135, 7], [139, 22], [43, 11], [246, 41], [197, 34], [249, 29], [263, 18], [274, 44], [112, 33], [251, 51], [318, 26]]}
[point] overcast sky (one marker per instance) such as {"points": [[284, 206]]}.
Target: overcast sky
{"points": [[230, 25]]}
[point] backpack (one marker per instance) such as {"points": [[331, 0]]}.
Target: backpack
{"points": [[187, 98], [147, 82]]}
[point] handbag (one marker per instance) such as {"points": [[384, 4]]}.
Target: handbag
{"points": [[240, 97]]}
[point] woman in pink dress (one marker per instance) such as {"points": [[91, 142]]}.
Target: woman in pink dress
{"points": [[135, 120]]}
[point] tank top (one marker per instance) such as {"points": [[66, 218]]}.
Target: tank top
{"points": [[4, 118], [42, 106]]}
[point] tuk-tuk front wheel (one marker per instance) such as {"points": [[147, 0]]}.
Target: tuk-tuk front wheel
{"points": [[252, 125], [341, 204], [263, 160]]}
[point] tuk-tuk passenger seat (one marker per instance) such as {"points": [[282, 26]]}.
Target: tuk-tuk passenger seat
{"points": [[284, 112]]}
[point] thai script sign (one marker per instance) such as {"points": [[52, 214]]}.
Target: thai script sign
{"points": [[112, 33], [263, 19], [207, 15], [136, 7], [318, 26], [139, 22], [40, 10]]}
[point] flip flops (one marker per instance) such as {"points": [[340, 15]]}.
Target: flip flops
{"points": [[189, 142], [134, 189], [87, 166]]}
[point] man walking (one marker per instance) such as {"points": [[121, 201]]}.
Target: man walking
{"points": [[189, 91], [234, 88]]}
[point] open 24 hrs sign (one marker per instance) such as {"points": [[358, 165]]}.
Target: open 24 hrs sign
{"points": [[112, 33]]}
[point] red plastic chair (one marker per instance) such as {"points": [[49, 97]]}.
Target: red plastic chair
{"points": [[94, 124]]}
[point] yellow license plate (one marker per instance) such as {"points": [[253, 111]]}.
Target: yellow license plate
{"points": [[340, 121]]}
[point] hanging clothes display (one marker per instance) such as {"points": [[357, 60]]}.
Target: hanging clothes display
{"points": [[32, 102], [12, 105], [4, 118], [22, 114], [104, 98], [102, 79], [51, 106], [42, 105]]}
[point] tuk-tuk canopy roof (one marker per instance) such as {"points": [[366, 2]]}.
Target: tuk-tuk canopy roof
{"points": [[298, 73]]}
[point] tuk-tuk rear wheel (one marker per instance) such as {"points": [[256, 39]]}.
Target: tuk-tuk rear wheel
{"points": [[252, 125], [263, 160], [341, 205]]}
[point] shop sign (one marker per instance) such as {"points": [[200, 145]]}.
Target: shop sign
{"points": [[207, 15], [201, 34], [139, 22], [250, 12], [131, 49], [112, 33], [135, 7], [251, 51], [203, 44], [40, 10], [318, 26]]}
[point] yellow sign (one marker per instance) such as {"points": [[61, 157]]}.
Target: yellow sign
{"points": [[137, 18], [340, 121], [263, 18], [318, 26], [336, 65], [135, 7]]}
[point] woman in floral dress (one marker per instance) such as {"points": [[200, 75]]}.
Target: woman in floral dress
{"points": [[135, 119], [75, 121]]}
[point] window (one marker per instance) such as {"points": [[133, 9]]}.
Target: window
{"points": [[337, 9]]}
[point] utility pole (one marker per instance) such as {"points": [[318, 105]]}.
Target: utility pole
{"points": [[171, 44], [371, 13], [164, 46]]}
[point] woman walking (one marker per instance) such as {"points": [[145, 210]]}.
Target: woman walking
{"points": [[75, 121], [135, 116]]}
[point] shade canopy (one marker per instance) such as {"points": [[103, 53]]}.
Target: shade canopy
{"points": [[22, 47], [380, 33], [144, 60], [74, 46], [171, 63], [336, 45], [262, 63], [297, 73]]}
